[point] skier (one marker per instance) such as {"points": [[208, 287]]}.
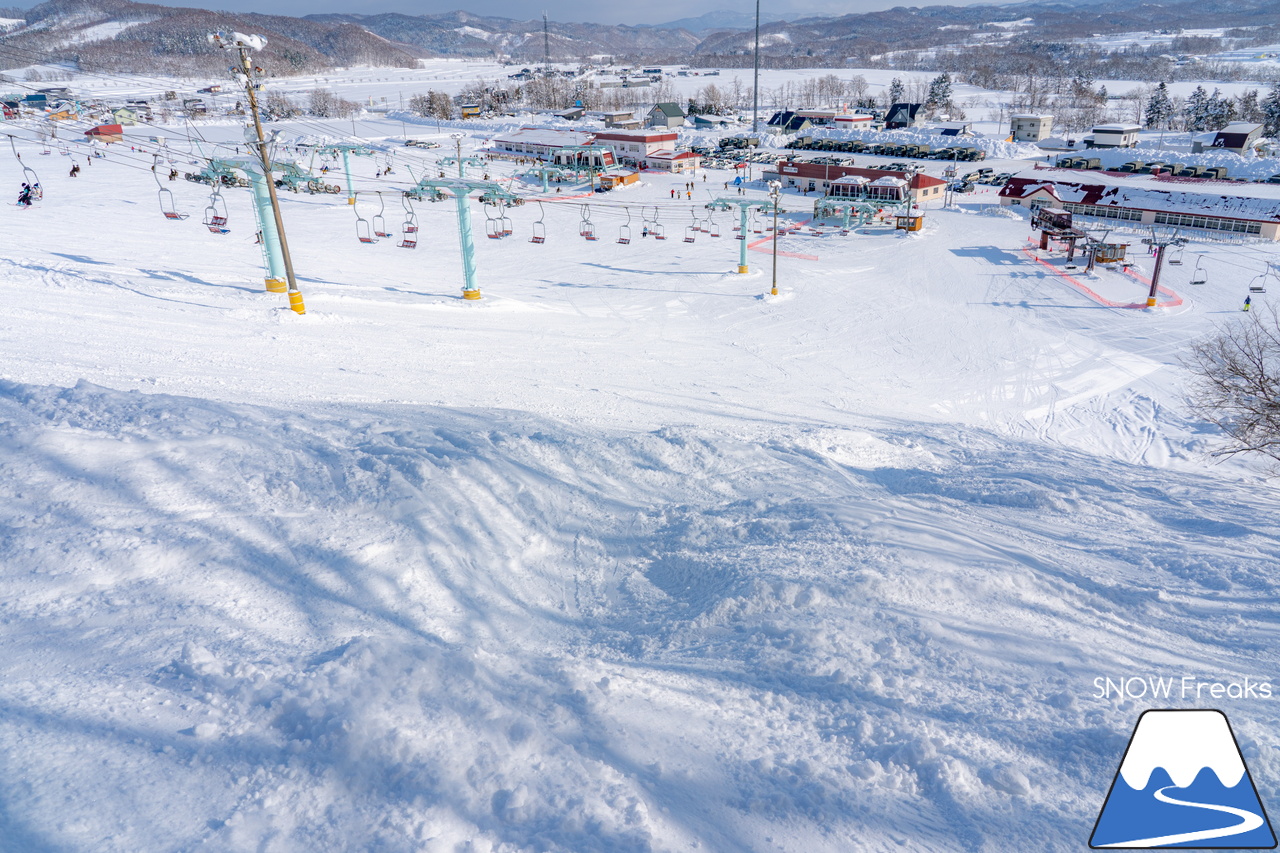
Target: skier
{"points": [[75, 169], [24, 197], [1248, 300]]}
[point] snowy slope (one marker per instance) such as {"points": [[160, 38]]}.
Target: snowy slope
{"points": [[626, 556]]}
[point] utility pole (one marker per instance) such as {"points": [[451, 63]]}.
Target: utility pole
{"points": [[245, 73], [755, 83], [1160, 244]]}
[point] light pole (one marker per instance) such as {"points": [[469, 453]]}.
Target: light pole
{"points": [[755, 83], [245, 72], [775, 192]]}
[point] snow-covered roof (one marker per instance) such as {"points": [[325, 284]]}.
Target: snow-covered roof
{"points": [[545, 136], [1226, 199], [1116, 128], [857, 180], [888, 181]]}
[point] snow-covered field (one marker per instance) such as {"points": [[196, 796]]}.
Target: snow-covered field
{"points": [[629, 555]]}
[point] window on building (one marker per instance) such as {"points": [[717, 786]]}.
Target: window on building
{"points": [[1209, 223], [1104, 212]]}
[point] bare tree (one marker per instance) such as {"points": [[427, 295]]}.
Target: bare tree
{"points": [[1237, 383]]}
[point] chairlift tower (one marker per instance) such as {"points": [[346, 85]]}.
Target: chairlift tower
{"points": [[434, 189], [744, 207], [1160, 244], [346, 149]]}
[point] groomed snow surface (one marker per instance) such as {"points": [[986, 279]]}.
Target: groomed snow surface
{"points": [[627, 556]]}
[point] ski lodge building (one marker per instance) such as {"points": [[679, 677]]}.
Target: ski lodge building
{"points": [[1224, 206], [854, 182], [636, 145], [539, 141]]}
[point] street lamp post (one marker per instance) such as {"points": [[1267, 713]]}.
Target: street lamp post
{"points": [[775, 192]]}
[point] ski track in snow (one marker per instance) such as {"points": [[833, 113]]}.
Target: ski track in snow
{"points": [[626, 557]]}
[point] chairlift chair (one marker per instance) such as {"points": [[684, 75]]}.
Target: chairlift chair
{"points": [[364, 233], [379, 223], [713, 227], [1175, 257], [624, 232], [1259, 284], [1199, 275], [215, 215], [539, 229], [29, 176], [691, 231], [656, 228], [409, 235], [586, 228], [167, 205], [505, 224]]}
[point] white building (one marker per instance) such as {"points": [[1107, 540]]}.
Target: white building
{"points": [[852, 121], [1030, 127], [636, 145], [539, 141], [1113, 136], [673, 161]]}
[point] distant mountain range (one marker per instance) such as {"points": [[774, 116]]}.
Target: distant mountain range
{"points": [[121, 35], [721, 19]]}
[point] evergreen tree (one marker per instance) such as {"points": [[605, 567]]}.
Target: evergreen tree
{"points": [[1247, 108], [1159, 108], [896, 91], [1196, 110], [939, 92], [1219, 111], [1270, 109]]}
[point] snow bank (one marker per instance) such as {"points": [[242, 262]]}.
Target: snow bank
{"points": [[417, 629]]}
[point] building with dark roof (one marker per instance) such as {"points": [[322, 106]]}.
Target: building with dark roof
{"points": [[903, 115], [666, 114], [1239, 136], [1152, 199]]}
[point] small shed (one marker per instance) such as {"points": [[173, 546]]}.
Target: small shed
{"points": [[1110, 253], [666, 114], [909, 222], [571, 114], [106, 133], [619, 118], [709, 122], [613, 180]]}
